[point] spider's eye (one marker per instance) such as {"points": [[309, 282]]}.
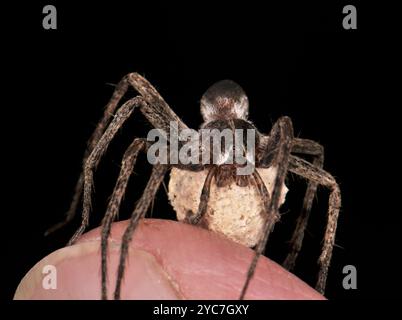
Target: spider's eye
{"points": [[224, 100]]}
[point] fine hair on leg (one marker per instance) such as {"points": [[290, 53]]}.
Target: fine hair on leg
{"points": [[157, 175], [310, 172], [127, 168], [284, 129], [93, 160], [305, 147], [100, 128]]}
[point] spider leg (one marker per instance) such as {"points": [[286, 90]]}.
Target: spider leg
{"points": [[203, 206], [127, 167], [309, 147], [157, 175], [110, 108], [310, 172], [283, 129], [153, 107], [156, 110], [93, 160]]}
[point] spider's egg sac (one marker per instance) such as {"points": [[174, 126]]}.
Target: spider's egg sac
{"points": [[234, 211]]}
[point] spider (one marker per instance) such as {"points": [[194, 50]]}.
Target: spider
{"points": [[224, 105]]}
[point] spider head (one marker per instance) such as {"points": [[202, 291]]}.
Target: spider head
{"points": [[224, 100]]}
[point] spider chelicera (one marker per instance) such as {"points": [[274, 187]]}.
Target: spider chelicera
{"points": [[223, 106]]}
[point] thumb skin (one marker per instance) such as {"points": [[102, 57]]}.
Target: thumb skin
{"points": [[167, 260]]}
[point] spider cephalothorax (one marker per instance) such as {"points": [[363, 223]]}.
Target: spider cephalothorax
{"points": [[224, 100], [219, 195], [224, 106]]}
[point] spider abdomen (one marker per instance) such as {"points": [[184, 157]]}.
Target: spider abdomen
{"points": [[233, 210]]}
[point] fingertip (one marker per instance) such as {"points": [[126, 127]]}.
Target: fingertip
{"points": [[206, 265], [167, 260]]}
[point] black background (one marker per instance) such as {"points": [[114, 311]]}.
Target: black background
{"points": [[293, 60]]}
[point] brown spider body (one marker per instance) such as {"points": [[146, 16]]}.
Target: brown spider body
{"points": [[244, 207]]}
